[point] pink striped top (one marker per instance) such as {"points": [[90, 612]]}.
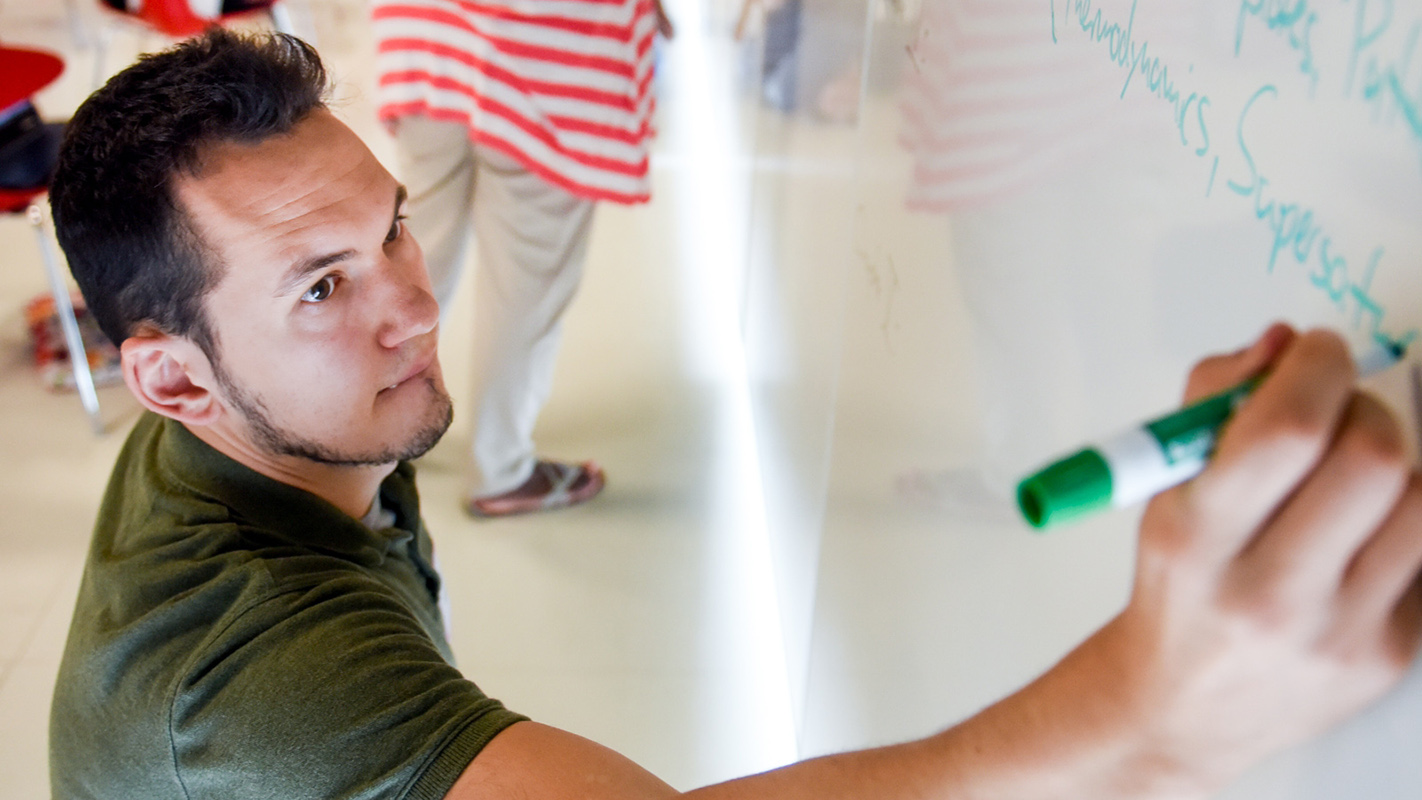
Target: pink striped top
{"points": [[564, 86]]}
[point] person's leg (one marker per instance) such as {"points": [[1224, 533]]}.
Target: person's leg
{"points": [[437, 167], [532, 238]]}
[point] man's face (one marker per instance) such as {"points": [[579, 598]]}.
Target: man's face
{"points": [[325, 323]]}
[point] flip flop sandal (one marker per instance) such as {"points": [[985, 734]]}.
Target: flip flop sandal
{"points": [[561, 479]]}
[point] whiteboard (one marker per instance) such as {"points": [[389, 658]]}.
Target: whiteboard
{"points": [[1047, 210]]}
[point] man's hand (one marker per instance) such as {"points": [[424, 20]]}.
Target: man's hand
{"points": [[1277, 593]]}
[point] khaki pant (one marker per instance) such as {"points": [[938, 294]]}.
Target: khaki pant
{"points": [[532, 238]]}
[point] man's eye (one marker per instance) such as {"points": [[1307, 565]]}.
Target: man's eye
{"points": [[320, 291], [396, 229]]}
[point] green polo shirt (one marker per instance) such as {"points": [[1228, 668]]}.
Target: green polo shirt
{"points": [[236, 637]]}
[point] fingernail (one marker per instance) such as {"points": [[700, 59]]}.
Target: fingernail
{"points": [[1274, 340]]}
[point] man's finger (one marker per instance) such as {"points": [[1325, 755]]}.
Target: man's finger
{"points": [[1275, 439], [1386, 568], [1217, 373], [1310, 543]]}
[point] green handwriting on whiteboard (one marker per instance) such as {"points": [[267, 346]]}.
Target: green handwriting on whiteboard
{"points": [[1291, 20], [1299, 233], [1136, 58], [1380, 66]]}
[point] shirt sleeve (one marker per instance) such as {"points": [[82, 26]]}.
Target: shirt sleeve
{"points": [[331, 691]]}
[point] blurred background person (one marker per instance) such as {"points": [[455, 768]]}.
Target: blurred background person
{"points": [[511, 121]]}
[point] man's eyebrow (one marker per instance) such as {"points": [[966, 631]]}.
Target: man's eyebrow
{"points": [[297, 276], [303, 269]]}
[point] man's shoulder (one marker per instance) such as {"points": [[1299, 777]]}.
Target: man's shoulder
{"points": [[155, 626], [263, 640]]}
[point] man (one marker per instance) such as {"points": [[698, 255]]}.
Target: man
{"points": [[258, 618], [517, 117]]}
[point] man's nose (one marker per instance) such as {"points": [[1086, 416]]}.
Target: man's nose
{"points": [[410, 309]]}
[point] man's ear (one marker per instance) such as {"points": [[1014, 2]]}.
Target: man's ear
{"points": [[170, 375]]}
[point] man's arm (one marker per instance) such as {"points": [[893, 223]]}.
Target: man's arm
{"points": [[1275, 595]]}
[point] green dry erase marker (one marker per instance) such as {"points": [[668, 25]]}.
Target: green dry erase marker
{"points": [[1139, 463]]}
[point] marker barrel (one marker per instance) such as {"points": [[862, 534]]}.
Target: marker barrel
{"points": [[1139, 463]]}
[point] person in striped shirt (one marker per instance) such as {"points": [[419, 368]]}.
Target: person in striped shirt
{"points": [[517, 117]]}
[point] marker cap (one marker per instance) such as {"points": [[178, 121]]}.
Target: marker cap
{"points": [[1070, 488]]}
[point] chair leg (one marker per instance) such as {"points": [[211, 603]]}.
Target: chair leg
{"points": [[78, 356], [103, 37], [281, 18]]}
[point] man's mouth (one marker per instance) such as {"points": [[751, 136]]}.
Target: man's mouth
{"points": [[415, 370]]}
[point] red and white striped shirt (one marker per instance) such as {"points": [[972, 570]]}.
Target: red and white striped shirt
{"points": [[564, 86]]}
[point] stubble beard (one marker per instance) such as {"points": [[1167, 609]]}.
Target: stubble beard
{"points": [[277, 441]]}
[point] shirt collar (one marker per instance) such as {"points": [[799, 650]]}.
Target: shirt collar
{"points": [[284, 510]]}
